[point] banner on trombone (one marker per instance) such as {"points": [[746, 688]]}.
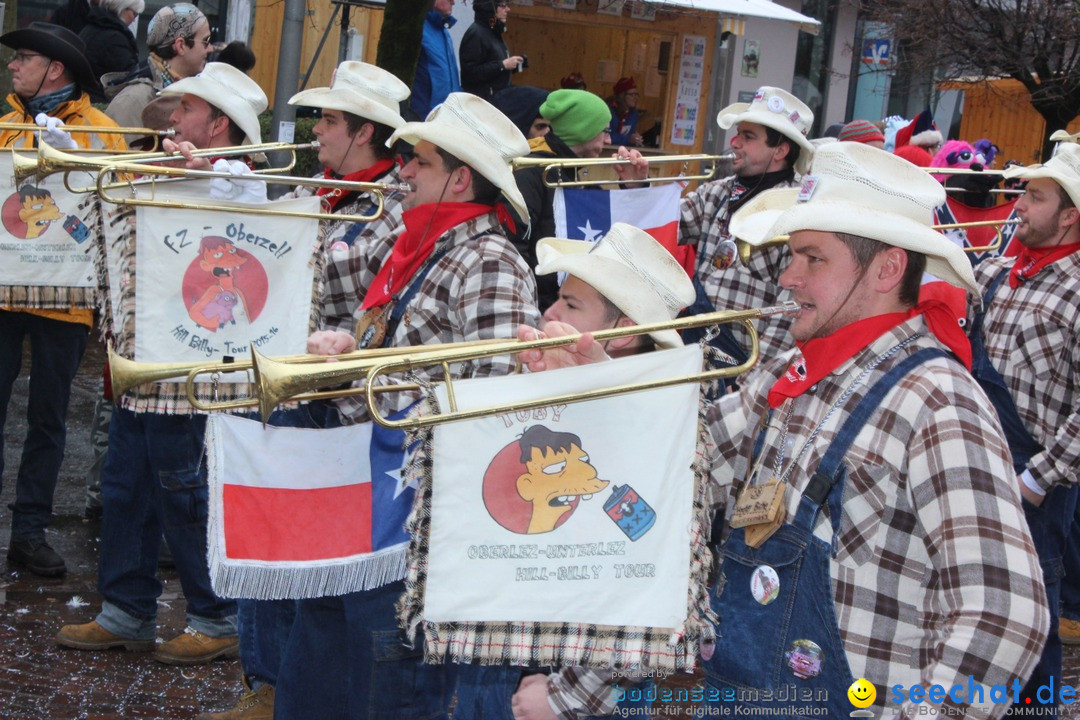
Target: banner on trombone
{"points": [[211, 284], [586, 517], [45, 244]]}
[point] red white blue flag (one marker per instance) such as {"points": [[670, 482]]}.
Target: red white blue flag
{"points": [[298, 512], [586, 214]]}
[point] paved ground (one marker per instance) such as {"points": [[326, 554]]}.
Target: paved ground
{"points": [[40, 680]]}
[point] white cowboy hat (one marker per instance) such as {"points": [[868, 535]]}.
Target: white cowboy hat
{"points": [[1063, 168], [777, 109], [361, 89], [856, 189], [473, 131], [629, 268], [230, 91]]}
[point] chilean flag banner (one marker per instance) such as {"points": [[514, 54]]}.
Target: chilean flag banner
{"points": [[586, 214], [301, 513]]}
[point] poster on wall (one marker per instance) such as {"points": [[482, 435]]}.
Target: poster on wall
{"points": [[643, 11], [688, 94], [750, 58]]}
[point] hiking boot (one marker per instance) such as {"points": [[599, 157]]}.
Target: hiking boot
{"points": [[254, 705], [37, 557], [91, 636], [192, 647], [1069, 631]]}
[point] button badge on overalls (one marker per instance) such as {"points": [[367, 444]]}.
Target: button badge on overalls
{"points": [[804, 659], [764, 584]]}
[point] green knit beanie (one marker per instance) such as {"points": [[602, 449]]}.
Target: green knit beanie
{"points": [[576, 116]]}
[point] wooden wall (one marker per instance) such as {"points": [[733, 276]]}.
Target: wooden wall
{"points": [[557, 41], [604, 48], [266, 39], [1002, 112]]}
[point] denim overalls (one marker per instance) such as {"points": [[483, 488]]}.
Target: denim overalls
{"points": [[1051, 521], [778, 641]]}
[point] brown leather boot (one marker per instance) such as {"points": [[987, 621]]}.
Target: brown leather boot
{"points": [[254, 705], [192, 647], [91, 636]]}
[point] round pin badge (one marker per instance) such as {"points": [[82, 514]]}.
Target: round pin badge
{"points": [[776, 104], [726, 253], [804, 659], [764, 584]]}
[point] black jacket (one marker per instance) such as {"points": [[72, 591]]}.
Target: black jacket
{"points": [[482, 54], [110, 46], [540, 200]]}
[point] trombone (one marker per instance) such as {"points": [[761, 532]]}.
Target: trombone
{"points": [[49, 160], [94, 129], [746, 249], [707, 166], [275, 385]]}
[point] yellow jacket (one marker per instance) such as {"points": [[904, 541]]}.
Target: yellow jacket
{"points": [[78, 111]]}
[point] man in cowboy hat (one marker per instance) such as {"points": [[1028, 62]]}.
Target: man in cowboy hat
{"points": [[49, 75], [178, 38], [770, 147], [359, 114], [624, 278], [898, 544], [447, 274], [154, 480], [1025, 340]]}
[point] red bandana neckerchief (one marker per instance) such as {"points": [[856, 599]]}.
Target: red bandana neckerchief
{"points": [[423, 226], [334, 195], [1031, 260], [820, 356]]}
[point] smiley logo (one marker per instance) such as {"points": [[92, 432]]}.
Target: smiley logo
{"points": [[862, 693]]}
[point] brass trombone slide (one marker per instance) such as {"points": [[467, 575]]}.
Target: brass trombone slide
{"points": [[746, 249], [449, 356], [93, 129], [707, 166], [49, 160]]}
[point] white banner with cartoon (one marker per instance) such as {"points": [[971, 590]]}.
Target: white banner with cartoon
{"points": [[578, 513], [44, 242], [213, 284]]}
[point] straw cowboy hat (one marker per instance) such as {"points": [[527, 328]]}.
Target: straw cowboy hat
{"points": [[230, 91], [629, 268], [1064, 168], [777, 109], [56, 43], [857, 189], [473, 131], [361, 89]]}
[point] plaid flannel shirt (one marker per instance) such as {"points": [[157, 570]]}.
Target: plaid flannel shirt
{"points": [[480, 289], [703, 223], [1032, 337], [934, 575], [333, 230]]}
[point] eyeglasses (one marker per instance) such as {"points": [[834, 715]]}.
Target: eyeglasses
{"points": [[191, 42], [23, 57]]}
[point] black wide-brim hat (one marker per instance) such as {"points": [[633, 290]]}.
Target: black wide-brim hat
{"points": [[56, 43]]}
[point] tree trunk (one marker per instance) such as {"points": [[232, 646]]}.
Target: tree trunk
{"points": [[399, 39]]}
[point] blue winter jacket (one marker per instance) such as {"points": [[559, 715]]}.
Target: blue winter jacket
{"points": [[437, 69]]}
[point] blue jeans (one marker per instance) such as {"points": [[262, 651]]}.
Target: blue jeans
{"points": [[484, 692], [1050, 525], [154, 483], [56, 347], [264, 625], [1070, 584], [347, 658]]}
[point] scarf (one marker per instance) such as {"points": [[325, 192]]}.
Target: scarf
{"points": [[334, 196], [423, 226], [50, 101], [820, 356], [1031, 260], [163, 69], [747, 187]]}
